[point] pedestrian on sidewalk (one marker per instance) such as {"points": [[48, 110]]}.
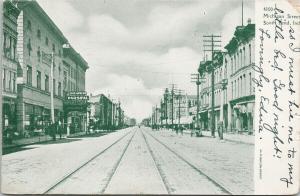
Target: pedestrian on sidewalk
{"points": [[59, 129], [53, 130]]}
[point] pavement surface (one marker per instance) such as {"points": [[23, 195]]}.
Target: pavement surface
{"points": [[131, 161]]}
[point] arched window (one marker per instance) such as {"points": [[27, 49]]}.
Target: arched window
{"points": [[29, 25], [241, 59], [38, 34], [244, 56], [250, 53]]}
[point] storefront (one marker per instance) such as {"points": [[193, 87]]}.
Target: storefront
{"points": [[243, 113], [8, 113], [204, 124], [37, 119], [75, 108]]}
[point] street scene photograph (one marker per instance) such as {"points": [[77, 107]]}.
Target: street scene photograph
{"points": [[128, 97]]}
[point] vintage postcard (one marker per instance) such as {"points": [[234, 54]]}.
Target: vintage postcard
{"points": [[150, 97]]}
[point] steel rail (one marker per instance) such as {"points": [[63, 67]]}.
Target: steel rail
{"points": [[159, 169], [84, 164], [193, 166], [111, 174]]}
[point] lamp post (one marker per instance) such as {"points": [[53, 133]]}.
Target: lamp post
{"points": [[221, 128], [166, 105], [51, 55]]}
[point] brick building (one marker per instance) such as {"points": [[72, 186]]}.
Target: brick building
{"points": [[38, 38], [74, 68], [9, 64], [233, 86]]}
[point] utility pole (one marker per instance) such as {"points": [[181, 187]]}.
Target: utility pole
{"points": [[51, 89], [196, 79], [179, 102], [172, 111], [212, 47], [166, 94], [156, 116]]}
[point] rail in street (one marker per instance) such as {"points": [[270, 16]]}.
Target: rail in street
{"points": [[90, 161], [133, 161], [204, 182]]}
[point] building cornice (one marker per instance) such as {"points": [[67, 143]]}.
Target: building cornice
{"points": [[33, 6]]}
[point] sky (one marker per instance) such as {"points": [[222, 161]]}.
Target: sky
{"points": [[137, 48]]}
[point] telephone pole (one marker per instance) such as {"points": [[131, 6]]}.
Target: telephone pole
{"points": [[211, 45], [195, 78], [172, 97], [179, 105]]}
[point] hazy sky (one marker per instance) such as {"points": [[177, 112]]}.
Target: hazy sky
{"points": [[136, 48]]}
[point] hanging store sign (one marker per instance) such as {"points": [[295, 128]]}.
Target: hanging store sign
{"points": [[76, 98], [76, 101]]}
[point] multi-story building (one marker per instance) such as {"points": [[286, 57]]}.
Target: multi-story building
{"points": [[74, 69], [233, 86], [181, 106], [240, 60], [38, 39], [105, 113], [205, 71], [9, 64]]}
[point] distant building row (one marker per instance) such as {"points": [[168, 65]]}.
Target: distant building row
{"points": [[106, 114], [234, 92]]}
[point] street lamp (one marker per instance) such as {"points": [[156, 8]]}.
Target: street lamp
{"points": [[224, 83], [44, 57]]}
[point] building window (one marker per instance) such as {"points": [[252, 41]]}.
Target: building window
{"points": [[250, 53], [4, 42], [59, 89], [59, 70], [235, 90], [4, 79], [14, 49], [29, 75], [65, 80], [234, 69], [53, 47], [46, 41], [38, 79], [29, 25], [46, 83], [29, 48], [38, 34], [14, 82], [244, 85], [250, 83], [241, 58], [10, 81], [54, 89], [39, 54], [244, 56]]}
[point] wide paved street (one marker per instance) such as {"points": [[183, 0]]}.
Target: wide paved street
{"points": [[133, 160]]}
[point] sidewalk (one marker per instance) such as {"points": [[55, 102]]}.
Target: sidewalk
{"points": [[30, 140], [233, 137], [44, 138]]}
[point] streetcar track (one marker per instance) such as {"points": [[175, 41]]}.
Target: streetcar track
{"points": [[84, 164], [113, 170], [193, 166], [160, 171]]}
